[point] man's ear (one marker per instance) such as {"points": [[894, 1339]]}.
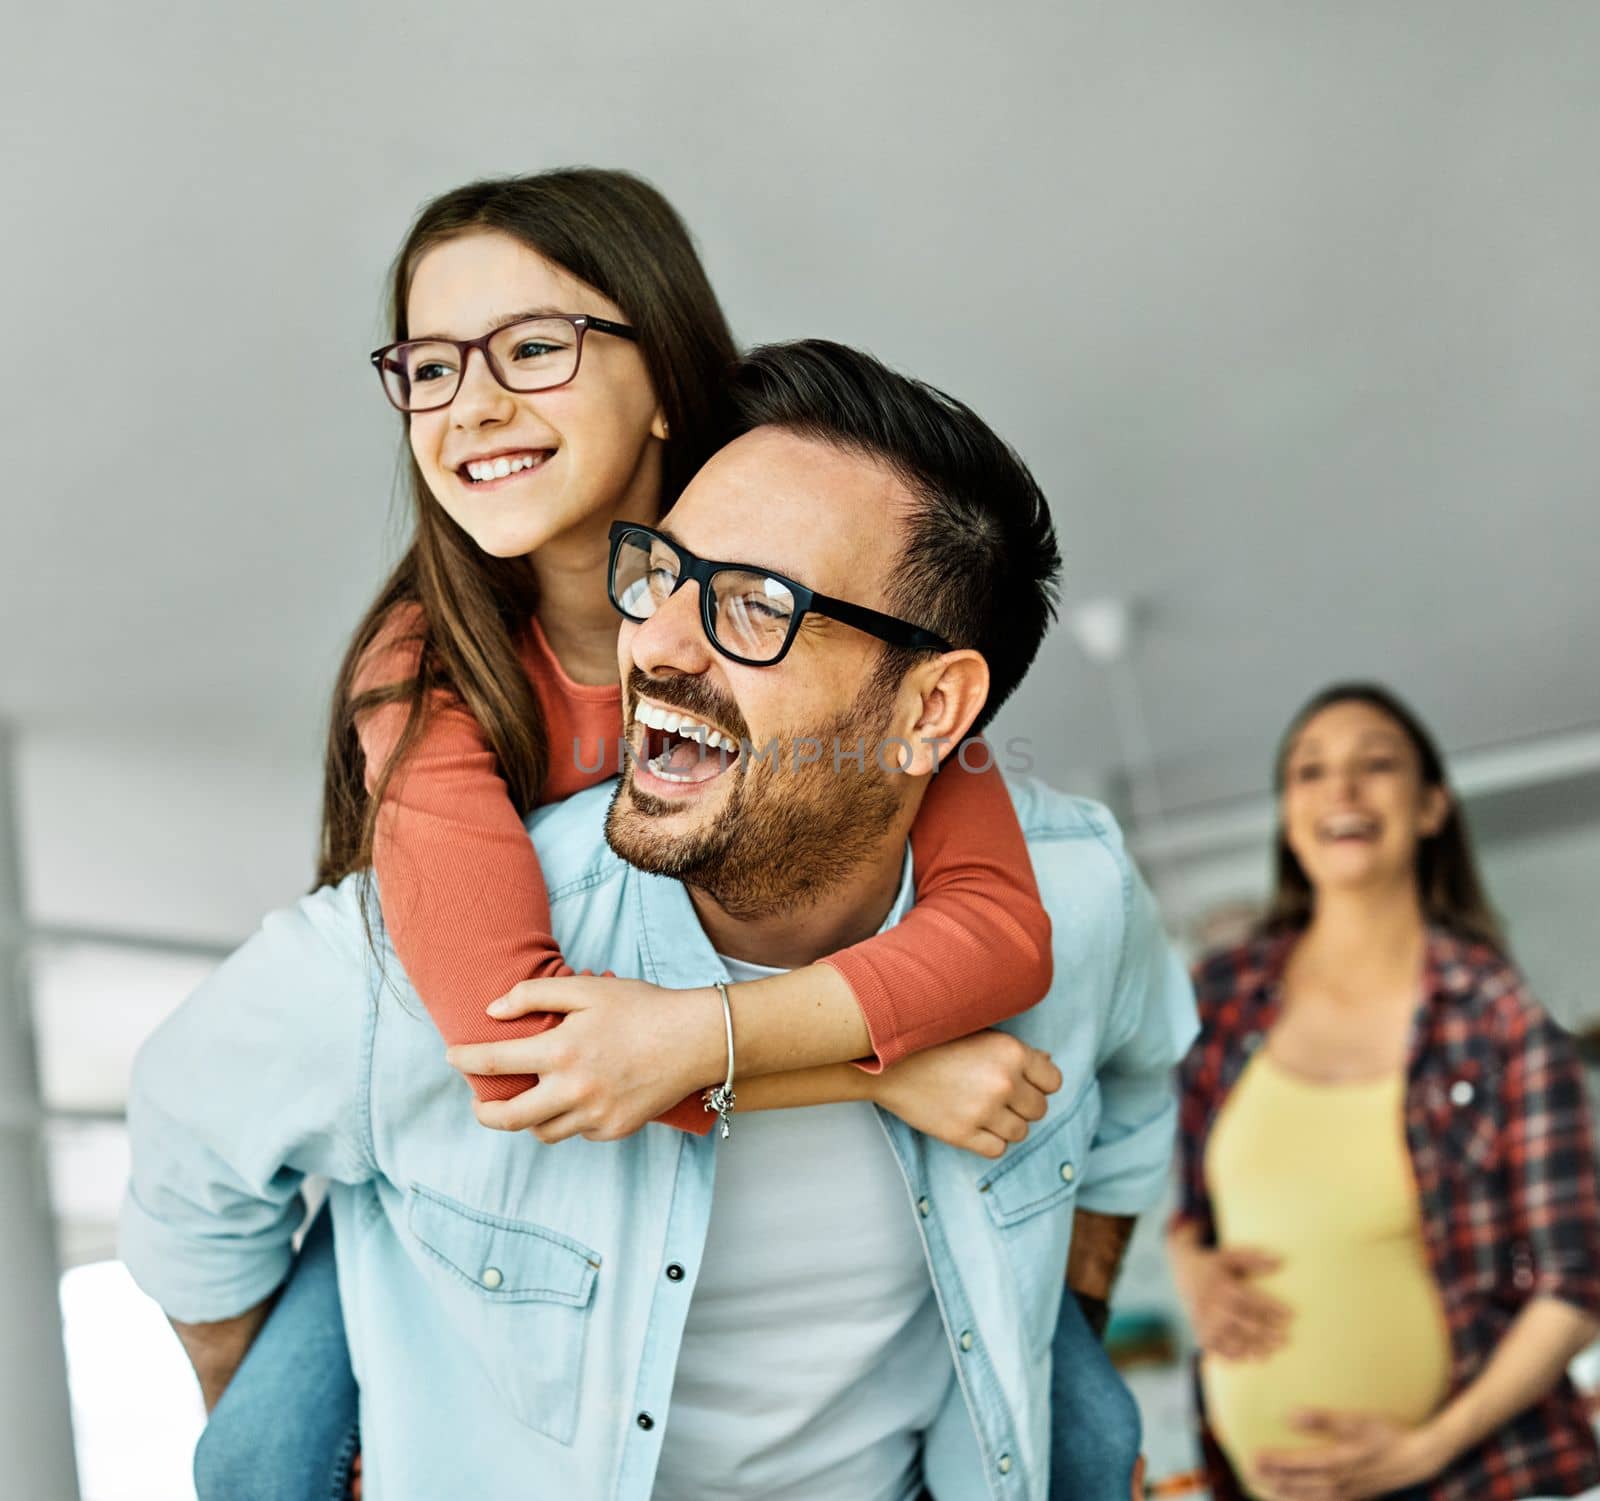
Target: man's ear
{"points": [[948, 693], [658, 426]]}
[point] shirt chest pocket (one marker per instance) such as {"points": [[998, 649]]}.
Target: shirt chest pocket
{"points": [[520, 1295], [1030, 1196], [1463, 1112]]}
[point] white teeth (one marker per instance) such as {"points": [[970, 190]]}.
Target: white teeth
{"points": [[487, 469], [659, 768], [1348, 823], [680, 724]]}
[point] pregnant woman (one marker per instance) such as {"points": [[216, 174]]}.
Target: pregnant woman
{"points": [[1388, 1238]]}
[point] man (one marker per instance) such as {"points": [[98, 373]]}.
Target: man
{"points": [[825, 1303]]}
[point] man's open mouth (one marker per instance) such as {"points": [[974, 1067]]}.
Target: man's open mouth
{"points": [[679, 748]]}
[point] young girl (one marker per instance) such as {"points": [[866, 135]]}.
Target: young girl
{"points": [[560, 358], [483, 680]]}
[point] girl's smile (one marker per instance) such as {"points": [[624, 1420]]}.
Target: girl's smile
{"points": [[488, 470]]}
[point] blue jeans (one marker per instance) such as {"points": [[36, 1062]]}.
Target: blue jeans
{"points": [[1095, 1430], [285, 1429]]}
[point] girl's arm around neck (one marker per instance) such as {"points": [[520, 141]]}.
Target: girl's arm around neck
{"points": [[975, 949]]}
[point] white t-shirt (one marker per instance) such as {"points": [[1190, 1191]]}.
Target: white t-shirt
{"points": [[813, 1356]]}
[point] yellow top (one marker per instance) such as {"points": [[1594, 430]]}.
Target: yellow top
{"points": [[1319, 1175]]}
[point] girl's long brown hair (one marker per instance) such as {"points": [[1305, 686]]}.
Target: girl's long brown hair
{"points": [[616, 233], [1447, 874]]}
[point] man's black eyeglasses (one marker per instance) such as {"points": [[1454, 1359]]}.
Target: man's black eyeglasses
{"points": [[750, 614]]}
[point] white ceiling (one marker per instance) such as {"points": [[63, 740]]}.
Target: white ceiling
{"points": [[1293, 308]]}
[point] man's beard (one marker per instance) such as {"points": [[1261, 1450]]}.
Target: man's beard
{"points": [[787, 835]]}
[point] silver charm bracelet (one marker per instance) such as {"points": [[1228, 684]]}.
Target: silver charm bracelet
{"points": [[721, 1098]]}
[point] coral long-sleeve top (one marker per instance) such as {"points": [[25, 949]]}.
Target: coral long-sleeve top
{"points": [[465, 905]]}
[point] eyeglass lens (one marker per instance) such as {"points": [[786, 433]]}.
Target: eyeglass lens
{"points": [[750, 611], [529, 356]]}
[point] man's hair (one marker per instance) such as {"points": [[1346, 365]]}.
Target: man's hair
{"points": [[980, 564]]}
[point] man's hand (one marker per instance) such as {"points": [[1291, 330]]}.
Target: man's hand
{"points": [[1364, 1455], [1099, 1242], [624, 1052], [217, 1350], [980, 1093]]}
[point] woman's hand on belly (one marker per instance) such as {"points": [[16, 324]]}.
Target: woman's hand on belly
{"points": [[1232, 1318], [1361, 1455]]}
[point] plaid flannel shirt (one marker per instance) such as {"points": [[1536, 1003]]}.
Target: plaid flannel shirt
{"points": [[1497, 1125]]}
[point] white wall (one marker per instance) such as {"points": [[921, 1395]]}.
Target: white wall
{"points": [[168, 837], [1547, 887]]}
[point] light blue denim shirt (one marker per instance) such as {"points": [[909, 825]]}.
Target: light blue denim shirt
{"points": [[507, 1304]]}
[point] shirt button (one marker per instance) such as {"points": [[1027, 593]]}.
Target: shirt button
{"points": [[923, 1207], [492, 1277], [1461, 1093], [1068, 1172], [645, 1421], [966, 1339], [1005, 1464], [674, 1272]]}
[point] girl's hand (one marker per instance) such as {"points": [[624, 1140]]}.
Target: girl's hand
{"points": [[1364, 1455], [624, 1052], [979, 1092], [1230, 1317]]}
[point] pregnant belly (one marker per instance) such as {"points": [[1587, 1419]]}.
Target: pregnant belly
{"points": [[1367, 1335]]}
